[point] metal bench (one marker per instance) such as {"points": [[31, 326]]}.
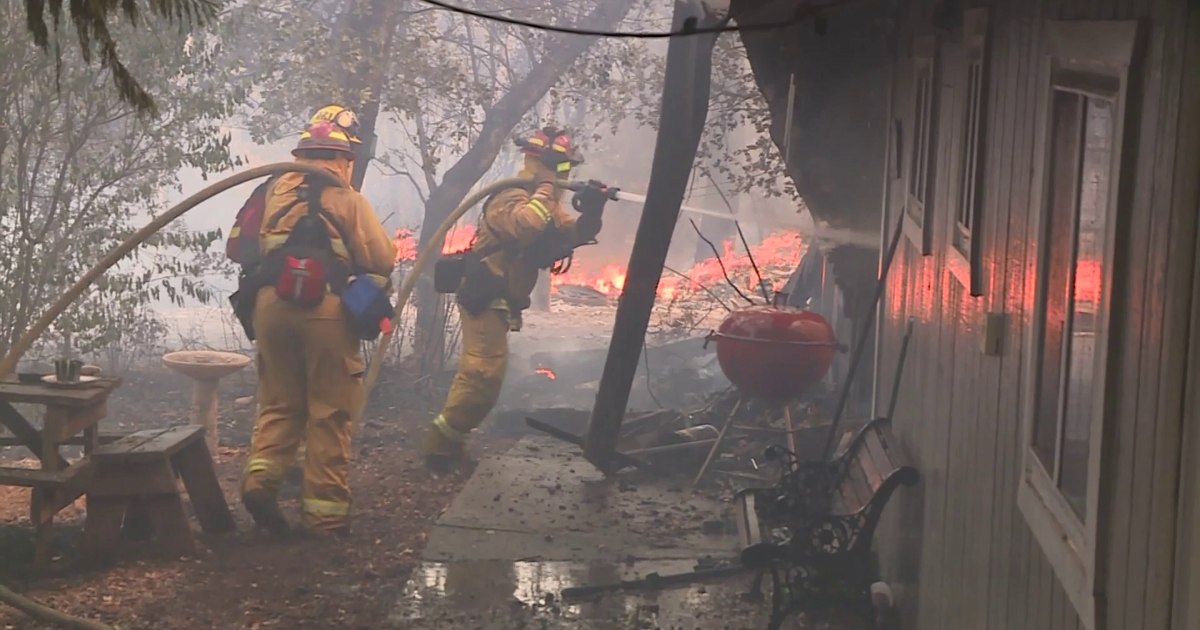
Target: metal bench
{"points": [[134, 487], [813, 530]]}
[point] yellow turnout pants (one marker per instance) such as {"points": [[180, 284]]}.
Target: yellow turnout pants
{"points": [[309, 388], [477, 383]]}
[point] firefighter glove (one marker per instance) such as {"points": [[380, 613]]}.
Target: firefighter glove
{"points": [[590, 199]]}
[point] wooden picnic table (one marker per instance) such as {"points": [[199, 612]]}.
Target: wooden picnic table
{"points": [[70, 412]]}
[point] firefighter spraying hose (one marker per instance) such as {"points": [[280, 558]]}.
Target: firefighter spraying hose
{"points": [[44, 322], [527, 181], [9, 362], [521, 232]]}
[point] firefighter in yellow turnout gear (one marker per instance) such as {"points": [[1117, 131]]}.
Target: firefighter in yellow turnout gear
{"points": [[518, 235], [309, 361]]}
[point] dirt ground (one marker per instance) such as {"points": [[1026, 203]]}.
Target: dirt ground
{"points": [[246, 580]]}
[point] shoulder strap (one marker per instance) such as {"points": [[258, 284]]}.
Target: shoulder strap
{"points": [[310, 194], [314, 187]]}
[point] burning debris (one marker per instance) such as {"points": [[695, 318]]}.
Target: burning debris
{"points": [[775, 258]]}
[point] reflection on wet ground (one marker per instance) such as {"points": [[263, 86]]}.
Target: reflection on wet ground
{"points": [[541, 501], [539, 519], [498, 595]]}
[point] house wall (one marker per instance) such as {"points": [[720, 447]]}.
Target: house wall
{"points": [[957, 547], [1186, 602]]}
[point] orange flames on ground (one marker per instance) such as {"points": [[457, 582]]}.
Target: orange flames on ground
{"points": [[782, 249], [547, 372]]}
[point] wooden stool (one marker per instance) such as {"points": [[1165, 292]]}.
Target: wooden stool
{"points": [[51, 493], [133, 485]]}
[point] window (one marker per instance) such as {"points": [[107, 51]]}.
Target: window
{"points": [[1080, 161], [965, 260], [1078, 174], [924, 145]]}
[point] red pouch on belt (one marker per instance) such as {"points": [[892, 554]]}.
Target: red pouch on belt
{"points": [[302, 281]]}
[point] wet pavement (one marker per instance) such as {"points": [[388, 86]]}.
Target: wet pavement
{"points": [[499, 595], [540, 519]]}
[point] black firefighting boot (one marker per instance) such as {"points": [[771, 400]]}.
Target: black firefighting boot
{"points": [[264, 509], [457, 464]]}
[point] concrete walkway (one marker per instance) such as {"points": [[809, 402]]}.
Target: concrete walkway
{"points": [[539, 519]]}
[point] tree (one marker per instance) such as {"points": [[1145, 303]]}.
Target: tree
{"points": [[93, 35], [736, 146], [77, 166], [457, 87]]}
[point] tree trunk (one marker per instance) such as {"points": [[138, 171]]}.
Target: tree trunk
{"points": [[374, 28], [501, 118], [429, 335]]}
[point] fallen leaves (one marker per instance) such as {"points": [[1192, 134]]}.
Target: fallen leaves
{"points": [[246, 580]]}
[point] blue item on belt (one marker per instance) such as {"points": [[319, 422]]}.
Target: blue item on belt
{"points": [[368, 306]]}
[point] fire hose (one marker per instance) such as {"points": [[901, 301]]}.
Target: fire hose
{"points": [[423, 258], [8, 364]]}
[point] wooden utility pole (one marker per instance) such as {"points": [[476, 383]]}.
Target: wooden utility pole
{"points": [[686, 88]]}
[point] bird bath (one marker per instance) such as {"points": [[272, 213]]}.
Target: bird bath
{"points": [[206, 368]]}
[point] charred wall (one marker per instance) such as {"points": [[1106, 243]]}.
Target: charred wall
{"points": [[839, 117]]}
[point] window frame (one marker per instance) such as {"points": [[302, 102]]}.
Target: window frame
{"points": [[924, 58], [1103, 50], [970, 177]]}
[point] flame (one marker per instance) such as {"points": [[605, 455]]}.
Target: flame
{"points": [[547, 372], [406, 245], [782, 249], [458, 239]]}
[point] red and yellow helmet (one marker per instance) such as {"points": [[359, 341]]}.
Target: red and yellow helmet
{"points": [[332, 128], [554, 147]]}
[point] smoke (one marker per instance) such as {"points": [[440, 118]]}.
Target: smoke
{"points": [[828, 238]]}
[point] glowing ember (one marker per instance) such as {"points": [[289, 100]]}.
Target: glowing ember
{"points": [[459, 239], [547, 372]]}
